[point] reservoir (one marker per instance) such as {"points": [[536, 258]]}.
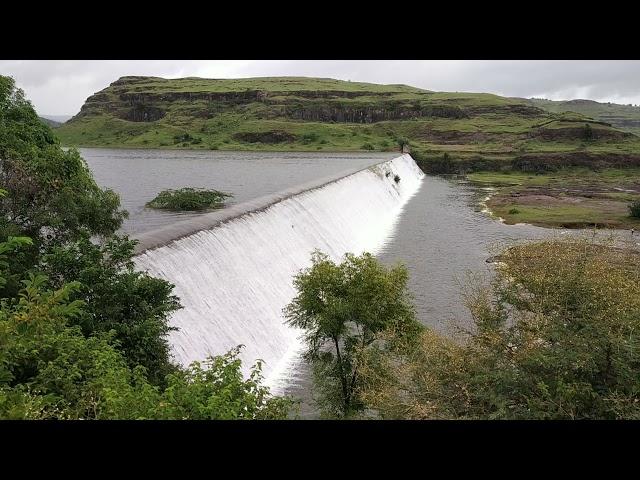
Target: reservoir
{"points": [[139, 175]]}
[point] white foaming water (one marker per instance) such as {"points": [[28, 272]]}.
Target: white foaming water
{"points": [[234, 280]]}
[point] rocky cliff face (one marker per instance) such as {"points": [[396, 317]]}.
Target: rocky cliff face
{"points": [[138, 99]]}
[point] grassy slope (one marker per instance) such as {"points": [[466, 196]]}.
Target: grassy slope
{"points": [[625, 117], [572, 197], [51, 123], [490, 126]]}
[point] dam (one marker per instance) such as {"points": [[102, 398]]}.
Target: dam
{"points": [[233, 269]]}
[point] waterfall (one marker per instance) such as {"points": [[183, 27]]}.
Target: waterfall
{"points": [[235, 278]]}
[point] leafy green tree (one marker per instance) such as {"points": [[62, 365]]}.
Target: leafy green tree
{"points": [[402, 141], [556, 336], [341, 307], [133, 305], [50, 369], [51, 196]]}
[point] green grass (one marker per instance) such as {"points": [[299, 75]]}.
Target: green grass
{"points": [[625, 117], [547, 215], [571, 197], [272, 84]]}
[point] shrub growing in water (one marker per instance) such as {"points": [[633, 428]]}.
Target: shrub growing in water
{"points": [[189, 199]]}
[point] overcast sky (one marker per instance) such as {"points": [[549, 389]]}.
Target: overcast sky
{"points": [[59, 87]]}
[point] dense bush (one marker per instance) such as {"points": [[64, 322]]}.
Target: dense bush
{"points": [[310, 137], [341, 307], [49, 369], [50, 194], [185, 138], [634, 209], [134, 306], [556, 336], [189, 199]]}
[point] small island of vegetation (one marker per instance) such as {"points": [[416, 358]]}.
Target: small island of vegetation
{"points": [[189, 199]]}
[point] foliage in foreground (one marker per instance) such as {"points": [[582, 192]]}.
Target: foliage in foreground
{"points": [[50, 369], [341, 307], [132, 305], [82, 334], [50, 197], [556, 336], [189, 199]]}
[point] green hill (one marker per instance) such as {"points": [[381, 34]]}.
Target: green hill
{"points": [[476, 130], [51, 123], [624, 117]]}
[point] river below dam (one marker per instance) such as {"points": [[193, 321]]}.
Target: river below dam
{"points": [[435, 226]]}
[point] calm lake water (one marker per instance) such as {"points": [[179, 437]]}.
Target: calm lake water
{"points": [[139, 175]]}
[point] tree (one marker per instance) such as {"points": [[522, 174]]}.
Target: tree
{"points": [[634, 209], [402, 141], [556, 337], [133, 305], [587, 132], [51, 196], [50, 369], [341, 307]]}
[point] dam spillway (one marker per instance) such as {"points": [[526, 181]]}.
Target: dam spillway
{"points": [[233, 269]]}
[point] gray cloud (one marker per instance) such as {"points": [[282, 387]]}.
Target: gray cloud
{"points": [[59, 87]]}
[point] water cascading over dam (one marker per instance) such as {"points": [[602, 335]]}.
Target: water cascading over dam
{"points": [[233, 269]]}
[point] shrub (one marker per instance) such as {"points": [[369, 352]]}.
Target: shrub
{"points": [[514, 211], [183, 138], [368, 146], [396, 178], [310, 138], [402, 141], [555, 336], [634, 209], [189, 199]]}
